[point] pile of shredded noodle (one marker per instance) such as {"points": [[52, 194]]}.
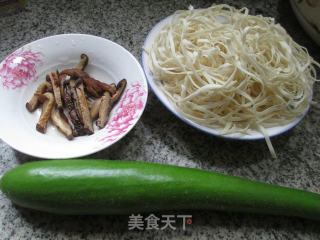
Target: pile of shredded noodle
{"points": [[222, 67]]}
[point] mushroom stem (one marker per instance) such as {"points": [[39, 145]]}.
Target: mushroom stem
{"points": [[94, 111], [83, 62], [104, 110], [34, 101], [84, 109], [120, 87], [56, 88], [75, 98], [61, 122], [96, 88], [47, 106], [74, 117]]}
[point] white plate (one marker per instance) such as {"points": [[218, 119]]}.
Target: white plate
{"points": [[309, 17], [155, 86], [23, 70]]}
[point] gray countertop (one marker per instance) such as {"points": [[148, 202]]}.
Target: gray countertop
{"points": [[162, 138]]}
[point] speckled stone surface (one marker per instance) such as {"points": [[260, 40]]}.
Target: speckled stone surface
{"points": [[159, 136]]}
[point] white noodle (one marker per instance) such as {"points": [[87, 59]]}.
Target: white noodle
{"points": [[222, 67]]}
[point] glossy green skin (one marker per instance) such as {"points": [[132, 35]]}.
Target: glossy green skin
{"points": [[120, 187]]}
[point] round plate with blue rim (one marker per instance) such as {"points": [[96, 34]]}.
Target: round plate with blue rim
{"points": [[156, 88]]}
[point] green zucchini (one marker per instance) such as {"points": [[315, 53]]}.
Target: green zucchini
{"points": [[121, 187]]}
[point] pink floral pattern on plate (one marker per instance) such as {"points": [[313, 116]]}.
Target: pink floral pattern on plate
{"points": [[19, 68], [129, 109]]}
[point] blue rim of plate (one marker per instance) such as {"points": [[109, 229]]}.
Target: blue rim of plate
{"points": [[204, 129]]}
